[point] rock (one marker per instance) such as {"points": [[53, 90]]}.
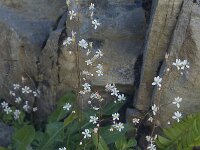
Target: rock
{"points": [[118, 37], [185, 44], [163, 21], [25, 27], [31, 46], [6, 134]]}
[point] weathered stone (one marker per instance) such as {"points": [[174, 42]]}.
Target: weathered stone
{"points": [[118, 37], [31, 46], [185, 44], [163, 21], [5, 136]]}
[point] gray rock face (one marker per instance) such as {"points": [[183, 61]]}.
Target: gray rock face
{"points": [[5, 136], [162, 24], [174, 29], [31, 46], [25, 27], [118, 37], [185, 44]]}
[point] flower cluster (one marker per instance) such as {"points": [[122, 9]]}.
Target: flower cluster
{"points": [[115, 92], [157, 81], [181, 65], [95, 22], [151, 141], [93, 57], [118, 126], [20, 95]]}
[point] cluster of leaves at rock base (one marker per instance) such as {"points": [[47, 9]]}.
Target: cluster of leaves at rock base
{"points": [[64, 130], [184, 135]]}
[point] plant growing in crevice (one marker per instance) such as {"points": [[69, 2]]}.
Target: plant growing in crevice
{"points": [[71, 126]]}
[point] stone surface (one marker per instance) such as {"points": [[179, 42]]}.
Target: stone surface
{"points": [[118, 37], [163, 21], [5, 136], [31, 46], [185, 44]]}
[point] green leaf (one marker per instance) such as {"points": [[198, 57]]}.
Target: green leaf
{"points": [[124, 144], [59, 113], [2, 148], [52, 128], [111, 108], [99, 142], [111, 137], [182, 135], [58, 130], [23, 137], [131, 143]]}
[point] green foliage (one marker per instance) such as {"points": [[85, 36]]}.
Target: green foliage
{"points": [[23, 137], [181, 136], [125, 144], [99, 142], [64, 129], [111, 137], [111, 108], [59, 113]]}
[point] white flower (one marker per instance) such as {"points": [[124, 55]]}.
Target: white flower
{"points": [[111, 129], [86, 133], [26, 89], [86, 87], [176, 101], [154, 109], [89, 62], [16, 114], [72, 14], [185, 64], [95, 108], [7, 110], [35, 93], [157, 81], [92, 14], [148, 138], [12, 93], [83, 44], [151, 146], [115, 116], [109, 87], [26, 106], [150, 119], [95, 130], [93, 119], [4, 104], [73, 35], [99, 66], [16, 86], [82, 92], [68, 41], [35, 109], [99, 73], [99, 53], [177, 64], [114, 92], [121, 97], [62, 148], [95, 23], [91, 7], [68, 2], [177, 116], [119, 126], [67, 106], [136, 121], [18, 100]]}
